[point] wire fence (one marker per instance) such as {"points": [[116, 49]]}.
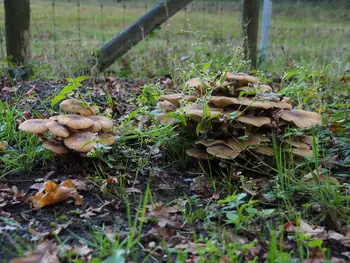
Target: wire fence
{"points": [[67, 30]]}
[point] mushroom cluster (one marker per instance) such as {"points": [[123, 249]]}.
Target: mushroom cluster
{"points": [[81, 130], [235, 116]]}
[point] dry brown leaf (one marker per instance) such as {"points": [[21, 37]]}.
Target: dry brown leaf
{"points": [[54, 194], [44, 253]]}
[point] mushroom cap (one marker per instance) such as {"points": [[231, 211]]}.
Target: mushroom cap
{"points": [[104, 121], [76, 106], [242, 79], [36, 126], [54, 146], [175, 98], [95, 128], [81, 142], [75, 121], [57, 129], [302, 119], [107, 138], [166, 106], [195, 111], [255, 121], [297, 144], [209, 143], [197, 83], [265, 88], [303, 152], [264, 150], [223, 152], [165, 120], [223, 102], [198, 154]]}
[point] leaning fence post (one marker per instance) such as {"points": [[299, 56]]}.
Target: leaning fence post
{"points": [[250, 24], [17, 30], [265, 30]]}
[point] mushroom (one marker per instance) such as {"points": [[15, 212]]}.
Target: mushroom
{"points": [[223, 152], [165, 120], [302, 119], [81, 142], [75, 121], [54, 146], [175, 98], [255, 121], [76, 106], [264, 150], [208, 143], [166, 106], [36, 126], [106, 139], [57, 129], [303, 152], [195, 111], [198, 154], [223, 102], [297, 144], [106, 124], [198, 84], [242, 79]]}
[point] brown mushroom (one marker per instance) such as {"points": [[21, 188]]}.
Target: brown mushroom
{"points": [[195, 111], [107, 138], [81, 142], [107, 124], [36, 126], [242, 79], [302, 119], [76, 106], [303, 152], [209, 143], [175, 98], [297, 144], [198, 84], [57, 129], [198, 154], [223, 102], [54, 146], [166, 106], [75, 121], [255, 121], [264, 150], [223, 152], [165, 120]]}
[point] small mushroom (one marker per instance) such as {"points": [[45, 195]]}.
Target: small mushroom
{"points": [[75, 121], [255, 121], [208, 143], [165, 120], [223, 102], [76, 106], [302, 119], [81, 142], [57, 129], [175, 98], [107, 124], [223, 152], [198, 154], [242, 79], [166, 106], [195, 111], [107, 139], [303, 152], [54, 146], [264, 150], [198, 84], [297, 144], [36, 126]]}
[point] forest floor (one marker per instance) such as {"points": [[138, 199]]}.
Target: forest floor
{"points": [[146, 201]]}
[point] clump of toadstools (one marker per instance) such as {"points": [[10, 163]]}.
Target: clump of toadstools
{"points": [[81, 130], [243, 117]]}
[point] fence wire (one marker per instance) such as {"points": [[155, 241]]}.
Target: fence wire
{"points": [[71, 29]]}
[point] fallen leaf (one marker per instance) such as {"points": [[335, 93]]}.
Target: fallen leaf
{"points": [[44, 253], [54, 194]]}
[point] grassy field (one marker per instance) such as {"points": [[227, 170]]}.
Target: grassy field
{"points": [[68, 33]]}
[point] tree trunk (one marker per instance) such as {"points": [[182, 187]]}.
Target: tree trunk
{"points": [[17, 29], [250, 23]]}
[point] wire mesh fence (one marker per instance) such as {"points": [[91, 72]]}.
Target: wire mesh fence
{"points": [[66, 31]]}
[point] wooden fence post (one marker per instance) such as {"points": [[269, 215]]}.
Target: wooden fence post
{"points": [[137, 31], [250, 24], [17, 30]]}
